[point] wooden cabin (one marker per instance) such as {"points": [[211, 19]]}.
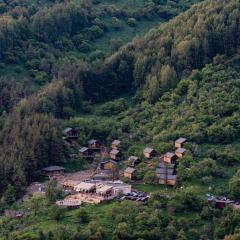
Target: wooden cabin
{"points": [[94, 144], [70, 133], [133, 161], [149, 153], [53, 171], [85, 187], [70, 184], [115, 144], [108, 165], [170, 157], [219, 202], [85, 152], [130, 173], [165, 171], [167, 179], [180, 152], [115, 155], [104, 190], [180, 142]]}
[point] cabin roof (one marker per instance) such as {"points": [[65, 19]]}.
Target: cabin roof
{"points": [[85, 186], [181, 140], [166, 165], [114, 151], [130, 170], [169, 155], [107, 161], [133, 158], [70, 183], [53, 168], [164, 171], [92, 141], [83, 149], [66, 130], [167, 176], [148, 150], [103, 188], [116, 142], [181, 150]]}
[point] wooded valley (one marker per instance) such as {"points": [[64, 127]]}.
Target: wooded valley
{"points": [[145, 72]]}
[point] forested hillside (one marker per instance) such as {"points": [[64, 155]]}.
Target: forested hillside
{"points": [[180, 79], [38, 38]]}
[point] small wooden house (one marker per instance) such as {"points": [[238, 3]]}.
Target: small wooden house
{"points": [[53, 171], [115, 144], [85, 152], [180, 142], [130, 173], [167, 179], [115, 155], [94, 144], [165, 171], [149, 153], [180, 152], [219, 202], [70, 184], [170, 157], [70, 133], [133, 161], [108, 165]]}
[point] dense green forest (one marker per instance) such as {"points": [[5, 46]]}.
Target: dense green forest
{"points": [[180, 79], [38, 38]]}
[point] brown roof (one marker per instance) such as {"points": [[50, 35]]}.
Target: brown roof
{"points": [[181, 140], [180, 150]]}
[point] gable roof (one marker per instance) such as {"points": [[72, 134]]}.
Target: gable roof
{"points": [[85, 186], [130, 170], [180, 150], [133, 158], [181, 140], [92, 141], [166, 165], [148, 150], [169, 155], [168, 177], [116, 142], [53, 168], [83, 149], [66, 130], [114, 151], [107, 161], [164, 171]]}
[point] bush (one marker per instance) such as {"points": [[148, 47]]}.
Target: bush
{"points": [[82, 216], [56, 213], [234, 186]]}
